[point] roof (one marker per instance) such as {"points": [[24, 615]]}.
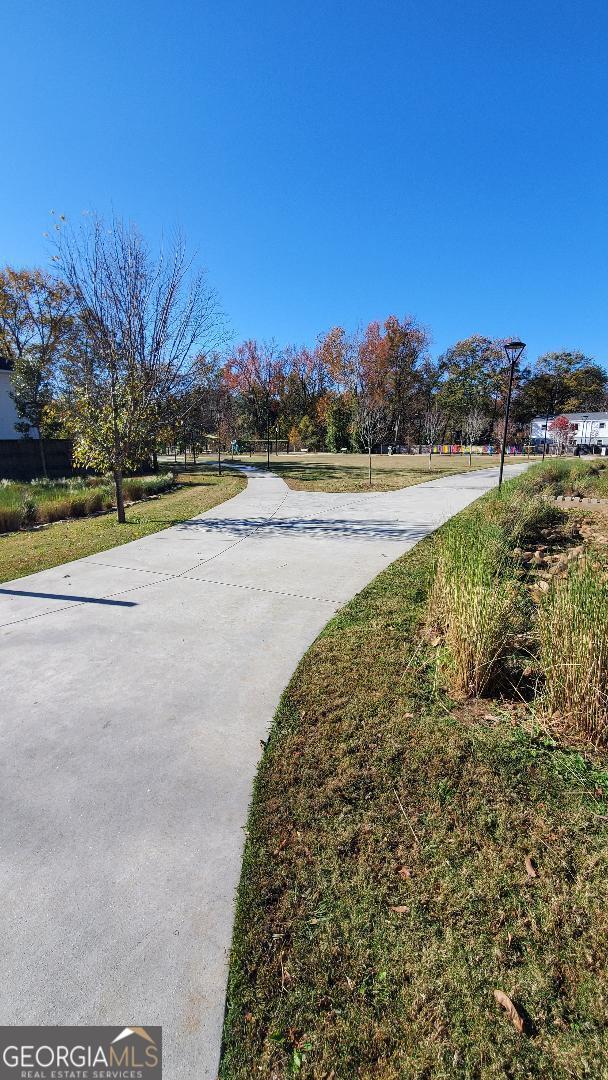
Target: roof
{"points": [[574, 417]]}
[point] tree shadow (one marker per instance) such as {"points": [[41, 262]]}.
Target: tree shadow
{"points": [[73, 597], [235, 528]]}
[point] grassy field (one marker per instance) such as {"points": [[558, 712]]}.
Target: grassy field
{"points": [[26, 552], [348, 472], [410, 855]]}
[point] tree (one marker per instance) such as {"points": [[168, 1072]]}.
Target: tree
{"points": [[144, 320], [561, 430], [338, 422], [568, 381], [472, 376], [35, 325], [405, 344], [255, 372], [432, 427], [475, 422], [368, 371]]}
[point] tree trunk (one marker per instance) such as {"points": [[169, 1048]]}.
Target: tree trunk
{"points": [[120, 500], [118, 458], [154, 461], [470, 455], [430, 457], [369, 465]]}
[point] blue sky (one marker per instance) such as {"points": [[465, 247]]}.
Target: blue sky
{"points": [[331, 162]]}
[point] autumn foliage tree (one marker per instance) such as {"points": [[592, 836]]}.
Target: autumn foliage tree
{"points": [[255, 374], [560, 430], [144, 319]]}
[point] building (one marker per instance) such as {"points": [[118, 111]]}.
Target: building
{"points": [[588, 429], [20, 458], [8, 412]]}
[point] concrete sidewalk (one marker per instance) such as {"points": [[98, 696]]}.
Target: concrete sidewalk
{"points": [[136, 685]]}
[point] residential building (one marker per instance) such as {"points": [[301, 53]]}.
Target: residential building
{"points": [[8, 412], [588, 429]]}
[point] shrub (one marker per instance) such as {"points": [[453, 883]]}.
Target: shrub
{"points": [[154, 485], [476, 600], [29, 511], [573, 630]]}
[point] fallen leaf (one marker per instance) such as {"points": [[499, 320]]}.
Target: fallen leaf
{"points": [[405, 872], [400, 909], [434, 642], [530, 870], [408, 716], [505, 1001]]}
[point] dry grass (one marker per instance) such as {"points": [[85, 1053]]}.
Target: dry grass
{"points": [[26, 552], [573, 628], [348, 472], [385, 893], [476, 602]]}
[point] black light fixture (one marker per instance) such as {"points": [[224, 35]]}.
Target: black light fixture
{"points": [[513, 350]]}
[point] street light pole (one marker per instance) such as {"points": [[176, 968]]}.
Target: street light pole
{"points": [[584, 419], [547, 431], [513, 349]]}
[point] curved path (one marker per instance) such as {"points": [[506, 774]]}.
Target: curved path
{"points": [[136, 686]]}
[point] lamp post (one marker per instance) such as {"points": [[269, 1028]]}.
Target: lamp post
{"points": [[584, 419], [550, 412], [513, 349]]}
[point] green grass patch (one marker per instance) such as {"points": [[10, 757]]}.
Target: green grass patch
{"points": [[348, 472], [385, 892], [27, 552]]}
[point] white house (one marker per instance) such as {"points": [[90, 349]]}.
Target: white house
{"points": [[588, 429], [8, 413]]}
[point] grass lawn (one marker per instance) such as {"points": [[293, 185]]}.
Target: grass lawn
{"points": [[348, 472], [408, 855], [28, 551]]}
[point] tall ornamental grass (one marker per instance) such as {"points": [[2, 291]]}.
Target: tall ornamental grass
{"points": [[520, 513], [45, 501], [476, 601], [573, 631], [567, 476]]}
